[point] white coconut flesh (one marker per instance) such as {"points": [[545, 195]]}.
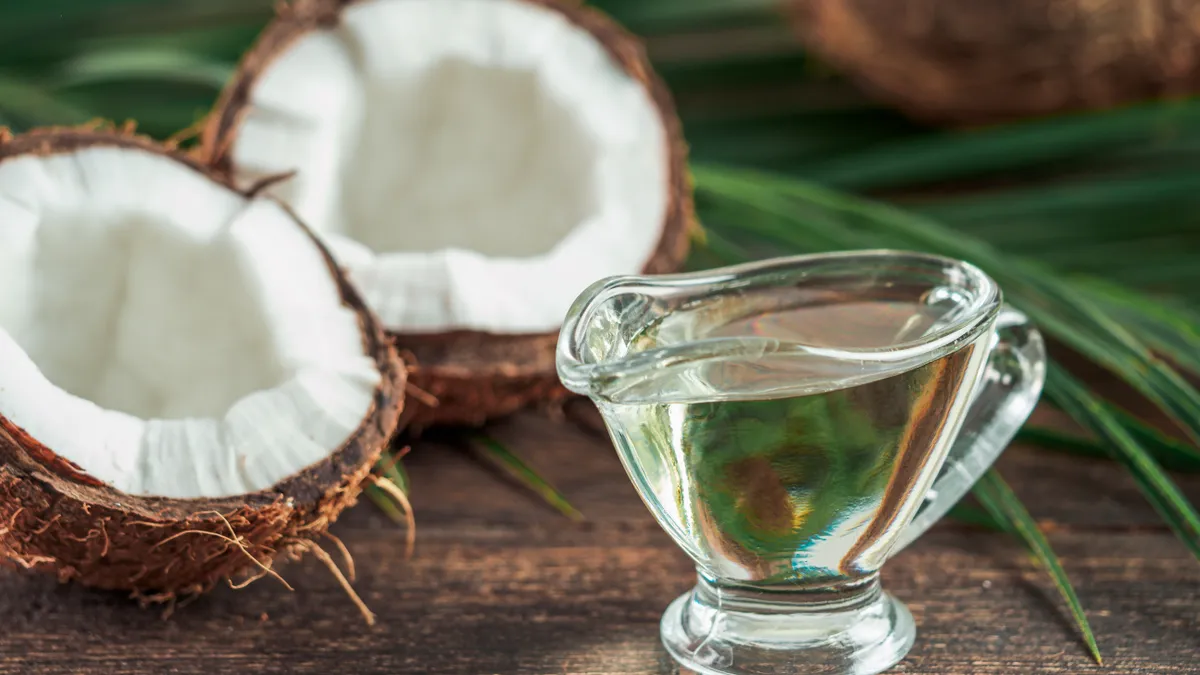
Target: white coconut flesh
{"points": [[166, 334], [474, 163]]}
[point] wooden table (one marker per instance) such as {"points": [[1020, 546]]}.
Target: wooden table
{"points": [[502, 584]]}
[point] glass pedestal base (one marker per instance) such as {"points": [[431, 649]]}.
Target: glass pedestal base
{"points": [[856, 629]]}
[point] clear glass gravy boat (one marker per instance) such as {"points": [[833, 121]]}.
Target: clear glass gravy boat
{"points": [[792, 424]]}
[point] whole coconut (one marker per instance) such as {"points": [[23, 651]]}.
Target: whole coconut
{"points": [[950, 61]]}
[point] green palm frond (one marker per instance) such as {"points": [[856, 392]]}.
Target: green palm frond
{"points": [[1004, 507], [508, 461]]}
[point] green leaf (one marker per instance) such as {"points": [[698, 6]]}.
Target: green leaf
{"points": [[29, 105], [61, 24], [808, 217], [1169, 328], [518, 469], [1168, 452], [386, 504], [958, 154], [393, 470], [780, 138], [151, 63], [1162, 493], [1096, 195], [1003, 504], [725, 251], [739, 70], [971, 515], [1175, 453], [1076, 319], [670, 15], [1084, 225]]}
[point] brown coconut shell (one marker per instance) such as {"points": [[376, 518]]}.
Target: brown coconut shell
{"points": [[950, 61], [475, 376], [56, 518]]}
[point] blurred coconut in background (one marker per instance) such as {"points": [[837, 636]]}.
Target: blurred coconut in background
{"points": [[949, 61]]}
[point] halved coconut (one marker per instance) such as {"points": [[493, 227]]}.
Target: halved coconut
{"points": [[188, 384], [474, 164]]}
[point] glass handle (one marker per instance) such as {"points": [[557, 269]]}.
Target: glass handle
{"points": [[1001, 403]]}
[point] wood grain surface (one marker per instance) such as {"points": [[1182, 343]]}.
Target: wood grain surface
{"points": [[502, 584]]}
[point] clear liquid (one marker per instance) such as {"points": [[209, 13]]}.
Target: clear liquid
{"points": [[806, 479]]}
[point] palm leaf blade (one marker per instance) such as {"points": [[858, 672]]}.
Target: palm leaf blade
{"points": [[516, 467], [1002, 503], [1162, 493]]}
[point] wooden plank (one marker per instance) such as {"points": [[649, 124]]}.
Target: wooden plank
{"points": [[502, 584]]}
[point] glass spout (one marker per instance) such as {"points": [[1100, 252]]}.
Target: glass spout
{"points": [[790, 326]]}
